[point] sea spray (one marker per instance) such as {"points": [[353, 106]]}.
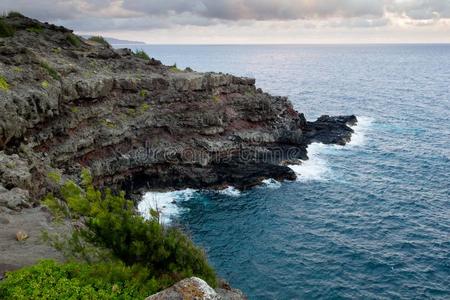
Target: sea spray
{"points": [[166, 203], [230, 191], [317, 168]]}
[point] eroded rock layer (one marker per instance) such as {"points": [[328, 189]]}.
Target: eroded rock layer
{"points": [[69, 103]]}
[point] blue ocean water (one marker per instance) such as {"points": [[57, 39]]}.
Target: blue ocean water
{"points": [[370, 220]]}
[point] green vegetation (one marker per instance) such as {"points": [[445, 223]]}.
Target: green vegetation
{"points": [[36, 29], [100, 40], [56, 50], [143, 93], [6, 30], [4, 86], [51, 280], [144, 107], [45, 84], [216, 98], [174, 68], [74, 109], [17, 69], [108, 123], [73, 40], [54, 176], [136, 257], [141, 54], [52, 72], [15, 14]]}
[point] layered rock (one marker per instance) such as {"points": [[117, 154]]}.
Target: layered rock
{"points": [[72, 103]]}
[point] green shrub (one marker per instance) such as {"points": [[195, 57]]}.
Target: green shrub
{"points": [[35, 29], [15, 14], [216, 98], [141, 54], [6, 30], [112, 223], [144, 107], [55, 177], [100, 40], [52, 72], [174, 68], [143, 93], [73, 40], [4, 86], [51, 280]]}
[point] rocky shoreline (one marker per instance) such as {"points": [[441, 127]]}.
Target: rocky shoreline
{"points": [[68, 103]]}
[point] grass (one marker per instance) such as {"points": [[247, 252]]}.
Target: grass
{"points": [[15, 14], [100, 40], [36, 29], [108, 123], [174, 68], [4, 86], [56, 50], [6, 30], [73, 40], [54, 177], [52, 72], [144, 107], [141, 54], [143, 93], [216, 98]]}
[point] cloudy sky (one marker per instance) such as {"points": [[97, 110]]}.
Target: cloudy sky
{"points": [[248, 21]]}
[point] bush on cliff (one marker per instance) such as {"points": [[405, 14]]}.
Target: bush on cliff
{"points": [[132, 255], [100, 40], [5, 29], [142, 54], [51, 280]]}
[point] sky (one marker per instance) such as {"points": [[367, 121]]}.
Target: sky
{"points": [[248, 21]]}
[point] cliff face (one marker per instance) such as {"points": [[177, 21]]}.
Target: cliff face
{"points": [[69, 103]]}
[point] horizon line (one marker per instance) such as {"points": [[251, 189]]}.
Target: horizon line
{"points": [[282, 44]]}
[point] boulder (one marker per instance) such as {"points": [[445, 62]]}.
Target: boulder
{"points": [[191, 288]]}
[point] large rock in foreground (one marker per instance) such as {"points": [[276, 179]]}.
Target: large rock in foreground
{"points": [[196, 289]]}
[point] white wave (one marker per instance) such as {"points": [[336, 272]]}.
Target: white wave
{"points": [[316, 168], [271, 183], [164, 202], [230, 191], [360, 131]]}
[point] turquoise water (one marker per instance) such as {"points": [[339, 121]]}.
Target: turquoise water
{"points": [[368, 221]]}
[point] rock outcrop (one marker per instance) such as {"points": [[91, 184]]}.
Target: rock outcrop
{"points": [[71, 103], [196, 289]]}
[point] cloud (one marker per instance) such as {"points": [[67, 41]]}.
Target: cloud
{"points": [[125, 15], [420, 9], [260, 9]]}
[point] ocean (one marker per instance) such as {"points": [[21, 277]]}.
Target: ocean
{"points": [[370, 220]]}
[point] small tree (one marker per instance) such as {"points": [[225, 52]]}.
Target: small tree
{"points": [[112, 223]]}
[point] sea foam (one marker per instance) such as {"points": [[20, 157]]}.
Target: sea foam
{"points": [[317, 168], [164, 202], [271, 183], [230, 191]]}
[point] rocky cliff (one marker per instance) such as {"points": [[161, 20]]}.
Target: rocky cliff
{"points": [[68, 103]]}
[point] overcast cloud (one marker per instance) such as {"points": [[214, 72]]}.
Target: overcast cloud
{"points": [[209, 16]]}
